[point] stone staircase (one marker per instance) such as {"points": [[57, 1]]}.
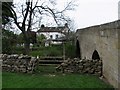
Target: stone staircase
{"points": [[50, 60]]}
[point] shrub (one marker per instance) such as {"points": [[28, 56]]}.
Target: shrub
{"points": [[54, 50], [70, 50]]}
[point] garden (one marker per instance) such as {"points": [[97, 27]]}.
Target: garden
{"points": [[19, 20], [46, 76]]}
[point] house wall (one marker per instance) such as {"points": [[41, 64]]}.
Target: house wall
{"points": [[104, 39], [53, 34], [48, 34]]}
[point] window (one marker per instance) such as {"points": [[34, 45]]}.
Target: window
{"points": [[51, 36], [56, 36]]}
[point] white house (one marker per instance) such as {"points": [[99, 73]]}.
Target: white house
{"points": [[54, 35]]}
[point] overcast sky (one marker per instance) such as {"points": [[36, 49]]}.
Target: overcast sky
{"points": [[92, 12], [95, 12]]}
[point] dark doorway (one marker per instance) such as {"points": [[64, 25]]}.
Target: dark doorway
{"points": [[95, 55], [78, 54]]}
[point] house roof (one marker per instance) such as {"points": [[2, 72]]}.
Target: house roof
{"points": [[51, 29], [61, 29]]}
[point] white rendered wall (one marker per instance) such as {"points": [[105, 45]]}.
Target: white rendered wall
{"points": [[51, 33]]}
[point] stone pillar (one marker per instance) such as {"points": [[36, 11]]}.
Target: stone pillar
{"points": [[119, 10], [0, 45]]}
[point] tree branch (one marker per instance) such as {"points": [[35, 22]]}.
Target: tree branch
{"points": [[30, 17], [26, 14], [23, 12], [14, 16]]}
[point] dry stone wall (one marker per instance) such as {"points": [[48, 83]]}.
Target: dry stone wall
{"points": [[27, 64], [81, 66], [18, 63]]}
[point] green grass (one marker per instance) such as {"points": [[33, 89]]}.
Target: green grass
{"points": [[19, 80], [53, 50], [47, 51], [45, 69]]}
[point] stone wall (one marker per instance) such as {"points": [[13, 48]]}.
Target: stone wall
{"points": [[18, 63], [104, 39], [81, 66], [27, 64]]}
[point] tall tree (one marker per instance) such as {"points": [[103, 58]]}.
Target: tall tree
{"points": [[6, 12], [9, 41], [31, 11]]}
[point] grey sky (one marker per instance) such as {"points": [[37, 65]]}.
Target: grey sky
{"points": [[92, 12]]}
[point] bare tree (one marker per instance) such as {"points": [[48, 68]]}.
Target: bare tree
{"points": [[31, 13]]}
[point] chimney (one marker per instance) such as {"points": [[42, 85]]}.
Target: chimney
{"points": [[42, 26]]}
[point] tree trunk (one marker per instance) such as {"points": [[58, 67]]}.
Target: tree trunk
{"points": [[27, 47], [26, 43]]}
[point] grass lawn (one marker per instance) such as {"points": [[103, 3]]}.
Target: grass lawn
{"points": [[47, 80]]}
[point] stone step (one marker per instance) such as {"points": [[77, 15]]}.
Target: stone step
{"points": [[51, 58], [50, 61]]}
